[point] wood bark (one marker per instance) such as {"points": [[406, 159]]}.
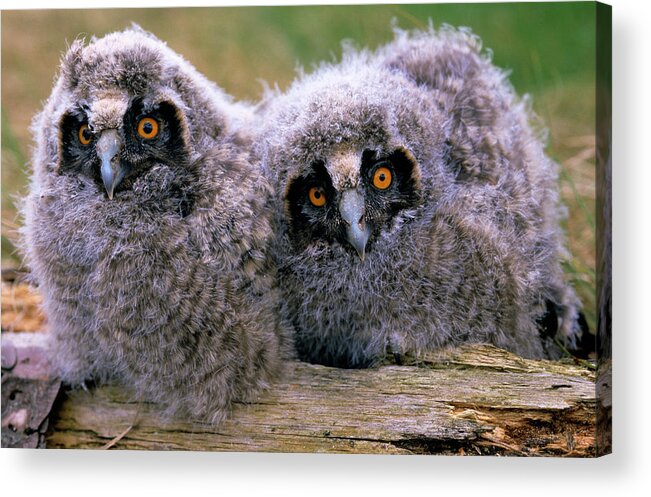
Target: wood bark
{"points": [[475, 399]]}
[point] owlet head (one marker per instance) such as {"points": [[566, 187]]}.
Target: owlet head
{"points": [[127, 107], [351, 196]]}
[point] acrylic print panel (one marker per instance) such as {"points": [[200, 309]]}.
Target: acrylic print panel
{"points": [[155, 361]]}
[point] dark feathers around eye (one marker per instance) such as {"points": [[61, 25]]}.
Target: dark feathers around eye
{"points": [[307, 221], [76, 157], [169, 146], [404, 191]]}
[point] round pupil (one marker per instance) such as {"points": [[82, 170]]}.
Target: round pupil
{"points": [[147, 128], [86, 133], [382, 177], [317, 194]]}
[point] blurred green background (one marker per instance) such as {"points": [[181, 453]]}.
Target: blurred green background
{"points": [[548, 47]]}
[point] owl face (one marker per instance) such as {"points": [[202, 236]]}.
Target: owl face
{"points": [[350, 197], [142, 133], [125, 103]]}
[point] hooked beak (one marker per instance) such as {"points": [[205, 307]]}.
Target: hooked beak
{"points": [[358, 231], [108, 149]]}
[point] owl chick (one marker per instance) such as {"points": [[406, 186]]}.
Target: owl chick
{"points": [[146, 228], [416, 206]]}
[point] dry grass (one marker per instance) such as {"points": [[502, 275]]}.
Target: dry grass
{"points": [[21, 308]]}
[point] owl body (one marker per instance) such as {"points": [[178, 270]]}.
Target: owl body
{"points": [[151, 251], [416, 206]]}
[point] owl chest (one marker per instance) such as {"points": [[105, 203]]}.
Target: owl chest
{"points": [[111, 261], [373, 289]]}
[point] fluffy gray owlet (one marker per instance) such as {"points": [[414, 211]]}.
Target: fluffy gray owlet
{"points": [[418, 208], [146, 229]]}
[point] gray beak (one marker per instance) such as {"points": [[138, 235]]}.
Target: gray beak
{"points": [[351, 207], [108, 150]]}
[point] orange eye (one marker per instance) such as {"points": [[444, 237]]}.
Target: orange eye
{"points": [[147, 128], [382, 178], [85, 136], [317, 196]]}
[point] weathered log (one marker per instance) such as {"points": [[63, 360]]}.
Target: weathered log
{"points": [[28, 391], [471, 400]]}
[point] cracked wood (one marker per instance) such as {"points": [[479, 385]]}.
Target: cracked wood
{"points": [[471, 400]]}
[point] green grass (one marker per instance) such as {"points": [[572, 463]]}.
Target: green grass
{"points": [[13, 160], [548, 47]]}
